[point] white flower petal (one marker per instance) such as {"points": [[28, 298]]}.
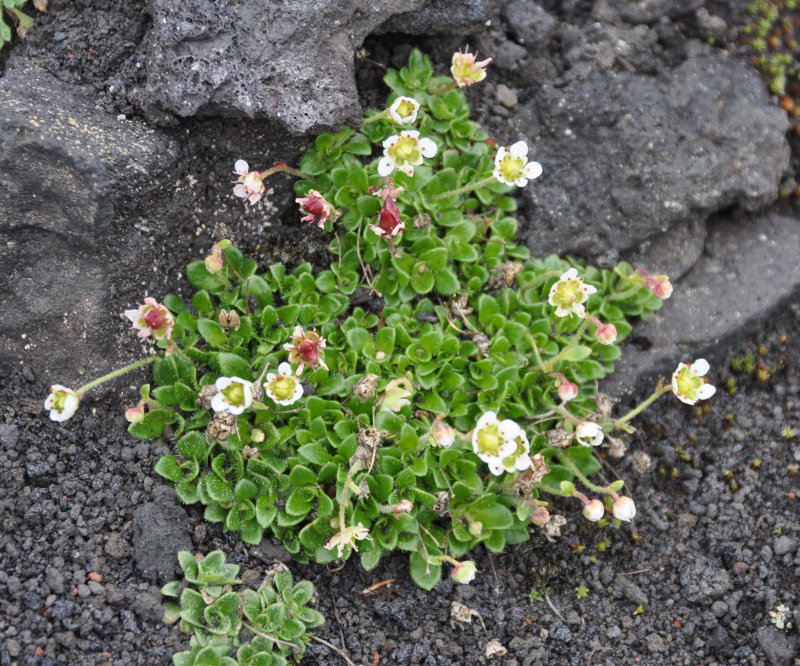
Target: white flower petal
{"points": [[519, 149], [570, 274], [240, 191], [521, 182], [389, 142], [589, 289], [700, 367], [284, 369], [427, 147], [223, 382], [386, 166], [509, 429], [410, 133], [706, 391], [408, 169], [496, 466], [532, 170], [241, 167], [219, 403]]}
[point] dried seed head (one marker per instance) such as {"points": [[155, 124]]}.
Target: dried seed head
{"points": [[370, 437], [641, 461], [422, 221], [481, 341], [365, 388], [363, 489], [559, 438], [229, 320], [442, 503], [249, 452], [552, 530], [459, 306], [616, 446], [510, 270], [538, 469], [523, 486], [494, 649], [218, 431], [226, 418], [605, 403], [205, 395]]}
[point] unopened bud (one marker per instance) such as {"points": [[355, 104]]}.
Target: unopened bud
{"points": [[464, 572], [624, 508], [403, 506], [135, 414], [257, 435], [567, 391], [593, 510], [606, 334], [540, 516], [475, 528]]}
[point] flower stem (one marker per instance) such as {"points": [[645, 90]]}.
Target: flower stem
{"points": [[467, 188], [345, 499], [378, 116], [536, 353], [625, 293], [570, 345], [445, 87], [285, 169], [116, 373], [660, 390], [565, 460], [541, 278]]}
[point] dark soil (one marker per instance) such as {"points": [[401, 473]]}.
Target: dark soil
{"points": [[712, 551]]}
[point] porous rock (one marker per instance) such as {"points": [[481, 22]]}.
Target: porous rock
{"points": [[290, 61], [65, 168], [777, 646], [702, 580], [531, 24], [439, 17], [626, 156], [159, 532], [650, 11], [748, 270]]}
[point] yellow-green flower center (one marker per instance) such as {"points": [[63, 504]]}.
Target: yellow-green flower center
{"points": [[511, 167], [234, 394], [405, 150], [283, 387], [489, 439], [60, 400], [568, 293], [405, 109], [688, 384]]}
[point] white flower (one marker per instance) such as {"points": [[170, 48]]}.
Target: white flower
{"points": [[347, 539], [518, 461], [624, 508], [492, 439], [511, 165], [589, 433], [404, 151], [233, 395], [569, 294], [403, 110], [62, 402], [688, 382], [593, 510], [284, 388], [250, 185], [466, 70]]}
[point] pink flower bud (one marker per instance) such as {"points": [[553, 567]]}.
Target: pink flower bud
{"points": [[663, 289], [593, 510], [606, 334], [540, 516], [135, 414], [389, 223], [403, 506], [624, 508], [464, 572], [567, 391]]}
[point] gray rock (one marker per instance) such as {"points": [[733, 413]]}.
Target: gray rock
{"points": [[530, 24], [625, 587], [289, 62], [627, 156], [269, 552], [159, 532], [706, 313], [55, 580], [506, 96], [776, 645], [673, 252], [509, 55], [650, 11], [65, 168], [117, 546], [784, 544], [702, 580], [600, 47], [147, 605], [9, 435], [439, 17], [654, 642]]}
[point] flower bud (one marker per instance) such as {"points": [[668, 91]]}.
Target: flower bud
{"points": [[540, 516], [389, 223], [624, 508], [663, 289], [593, 510], [606, 334], [475, 528], [214, 262], [464, 572], [567, 391], [442, 434], [135, 414], [589, 433], [403, 506], [257, 436]]}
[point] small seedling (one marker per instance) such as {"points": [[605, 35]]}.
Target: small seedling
{"points": [[582, 592], [276, 615]]}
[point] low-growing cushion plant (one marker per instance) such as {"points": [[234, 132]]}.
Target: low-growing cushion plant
{"points": [[275, 618], [428, 391]]}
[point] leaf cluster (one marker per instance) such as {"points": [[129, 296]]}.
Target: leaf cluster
{"points": [[276, 616], [462, 319]]}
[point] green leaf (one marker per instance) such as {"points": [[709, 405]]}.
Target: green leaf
{"points": [[233, 365], [446, 282], [301, 476], [315, 453], [153, 423], [422, 279], [424, 574], [167, 466], [577, 353], [193, 445], [198, 275], [435, 258], [212, 332], [299, 502]]}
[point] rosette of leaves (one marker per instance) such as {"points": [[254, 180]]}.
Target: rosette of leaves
{"points": [[464, 318], [276, 616]]}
